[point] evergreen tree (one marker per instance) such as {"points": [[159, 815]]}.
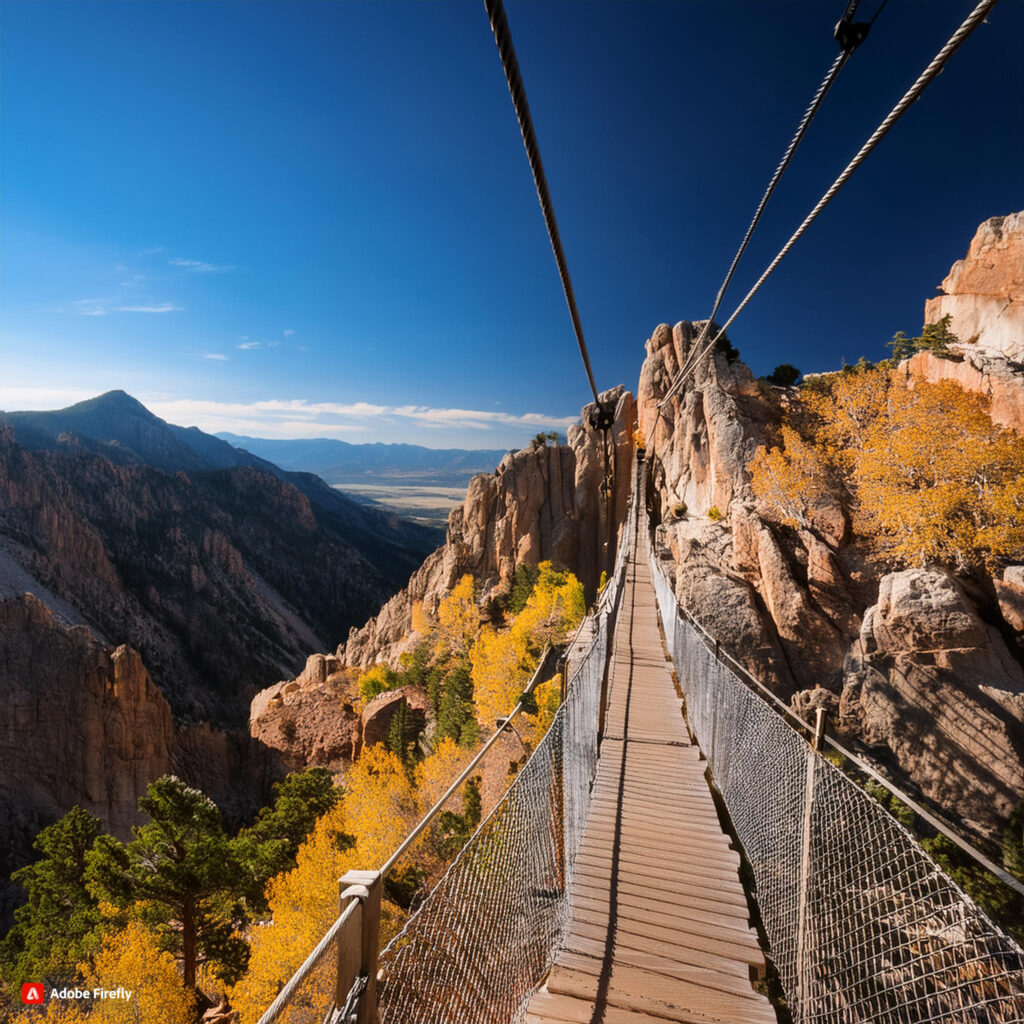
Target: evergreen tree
{"points": [[181, 875], [59, 924], [270, 844], [456, 703], [402, 733], [784, 375]]}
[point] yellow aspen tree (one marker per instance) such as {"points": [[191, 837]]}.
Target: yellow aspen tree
{"points": [[500, 670], [937, 481], [304, 904], [458, 619], [130, 959], [434, 774], [789, 479], [380, 805]]}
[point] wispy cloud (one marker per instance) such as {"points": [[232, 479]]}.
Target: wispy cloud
{"points": [[301, 418], [199, 267], [153, 250], [249, 344], [217, 357], [288, 332], [103, 307], [163, 307]]}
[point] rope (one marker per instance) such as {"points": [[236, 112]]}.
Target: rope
{"points": [[805, 123], [938, 62], [503, 37]]}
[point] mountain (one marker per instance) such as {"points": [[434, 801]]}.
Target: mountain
{"points": [[220, 568], [340, 462], [120, 428]]}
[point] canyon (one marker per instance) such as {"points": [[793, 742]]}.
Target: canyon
{"points": [[171, 603]]}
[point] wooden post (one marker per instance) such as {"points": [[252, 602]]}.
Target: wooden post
{"points": [[803, 960], [605, 675], [367, 887], [819, 729], [349, 941]]}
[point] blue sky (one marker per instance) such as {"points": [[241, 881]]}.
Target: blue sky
{"points": [[315, 218]]}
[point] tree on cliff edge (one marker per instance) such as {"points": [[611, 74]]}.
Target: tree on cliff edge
{"points": [[60, 923], [181, 876]]}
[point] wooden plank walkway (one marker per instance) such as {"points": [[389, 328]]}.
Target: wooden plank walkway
{"points": [[659, 927]]}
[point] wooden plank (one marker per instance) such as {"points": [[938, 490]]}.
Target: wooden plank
{"points": [[675, 999], [644, 897], [661, 965], [659, 927]]}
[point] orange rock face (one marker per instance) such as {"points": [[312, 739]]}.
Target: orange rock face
{"points": [[984, 293]]}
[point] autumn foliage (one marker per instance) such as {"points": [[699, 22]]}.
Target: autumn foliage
{"points": [[931, 479]]}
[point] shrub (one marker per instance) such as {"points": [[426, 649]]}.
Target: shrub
{"points": [[714, 514], [679, 510], [784, 375]]}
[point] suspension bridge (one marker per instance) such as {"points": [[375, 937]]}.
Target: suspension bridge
{"points": [[677, 828], [608, 885]]}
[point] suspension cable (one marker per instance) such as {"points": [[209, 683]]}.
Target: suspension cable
{"points": [[938, 62], [503, 37], [850, 42]]}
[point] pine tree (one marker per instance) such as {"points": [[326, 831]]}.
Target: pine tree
{"points": [[182, 874], [270, 844], [402, 733], [59, 924], [456, 703]]}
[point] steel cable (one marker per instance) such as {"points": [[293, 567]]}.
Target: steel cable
{"points": [[805, 123], [938, 62], [503, 37]]}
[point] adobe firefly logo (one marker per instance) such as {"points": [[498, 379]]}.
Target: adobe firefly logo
{"points": [[32, 993]]}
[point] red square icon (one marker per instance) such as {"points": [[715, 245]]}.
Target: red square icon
{"points": [[32, 992]]}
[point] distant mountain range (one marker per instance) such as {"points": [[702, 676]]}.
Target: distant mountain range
{"points": [[221, 568], [339, 462]]}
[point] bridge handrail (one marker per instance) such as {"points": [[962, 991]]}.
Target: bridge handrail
{"points": [[309, 965], [362, 978], [803, 725], [861, 922]]}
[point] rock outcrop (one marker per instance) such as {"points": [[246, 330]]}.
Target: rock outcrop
{"points": [[915, 670], [984, 292], [309, 720], [541, 503], [378, 713], [932, 684], [83, 724], [984, 296]]}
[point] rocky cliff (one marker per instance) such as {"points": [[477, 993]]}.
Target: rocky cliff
{"points": [[983, 295], [540, 503], [920, 668], [223, 580], [83, 724]]}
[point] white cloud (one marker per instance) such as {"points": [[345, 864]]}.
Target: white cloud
{"points": [[199, 267], [301, 418], [217, 357], [288, 332], [163, 307], [153, 250], [249, 344]]}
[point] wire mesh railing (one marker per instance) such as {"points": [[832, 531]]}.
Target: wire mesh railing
{"points": [[479, 944], [863, 927]]}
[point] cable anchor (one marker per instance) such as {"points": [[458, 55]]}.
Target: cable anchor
{"points": [[602, 417]]}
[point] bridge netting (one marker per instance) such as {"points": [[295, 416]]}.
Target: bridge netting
{"points": [[476, 948], [863, 927], [861, 924]]}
